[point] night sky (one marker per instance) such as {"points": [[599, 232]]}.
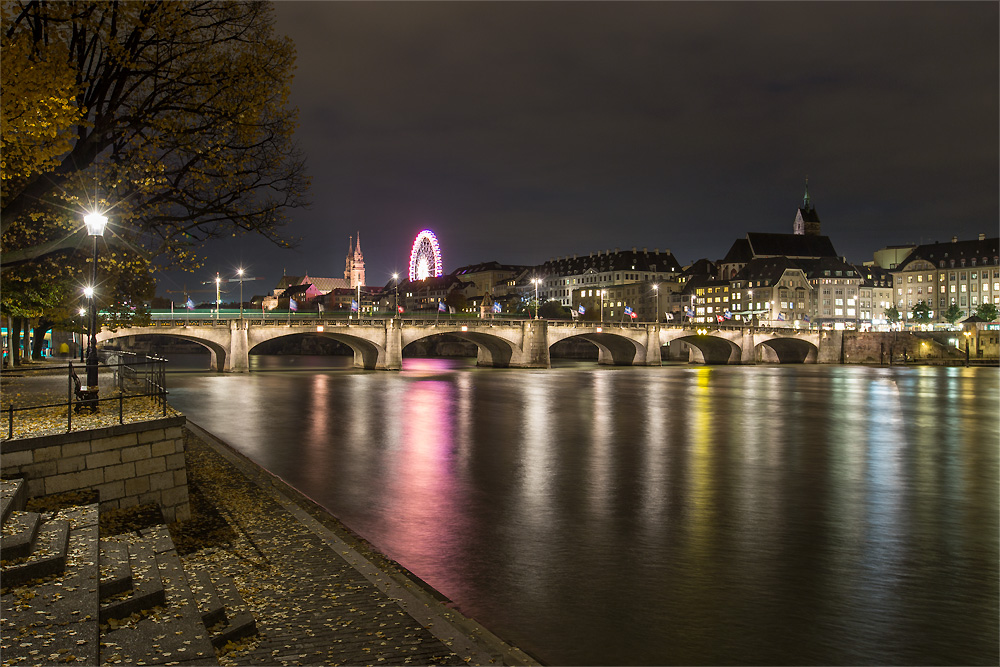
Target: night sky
{"points": [[523, 131]]}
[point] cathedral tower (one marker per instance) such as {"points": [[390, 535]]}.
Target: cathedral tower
{"points": [[806, 219], [357, 263]]}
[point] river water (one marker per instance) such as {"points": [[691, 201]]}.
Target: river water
{"points": [[674, 515]]}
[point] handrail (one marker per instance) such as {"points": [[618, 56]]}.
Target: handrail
{"points": [[152, 369]]}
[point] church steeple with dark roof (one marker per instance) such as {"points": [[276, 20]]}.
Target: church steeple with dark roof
{"points": [[806, 219]]}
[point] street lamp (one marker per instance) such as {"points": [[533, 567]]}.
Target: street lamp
{"points": [[240, 272], [601, 292], [395, 294], [656, 288], [218, 297], [536, 281], [83, 313], [95, 227]]}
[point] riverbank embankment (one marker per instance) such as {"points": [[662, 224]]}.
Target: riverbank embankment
{"points": [[321, 595]]}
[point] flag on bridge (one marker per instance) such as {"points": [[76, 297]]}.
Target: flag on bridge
{"points": [[399, 308], [354, 306], [496, 306], [670, 316], [441, 307], [727, 314], [781, 317], [189, 304], [582, 309], [805, 318], [689, 311], [720, 318], [628, 311], [292, 305]]}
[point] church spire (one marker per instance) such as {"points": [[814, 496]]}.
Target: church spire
{"points": [[806, 204], [357, 251]]}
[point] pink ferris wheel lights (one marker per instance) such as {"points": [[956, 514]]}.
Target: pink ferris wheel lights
{"points": [[425, 256]]}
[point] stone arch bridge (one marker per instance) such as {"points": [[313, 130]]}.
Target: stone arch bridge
{"points": [[378, 343]]}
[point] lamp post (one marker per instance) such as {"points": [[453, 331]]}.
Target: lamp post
{"points": [[218, 296], [656, 288], [968, 335], [536, 281], [239, 271], [95, 227], [395, 294], [83, 314]]}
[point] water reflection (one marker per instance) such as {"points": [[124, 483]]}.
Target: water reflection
{"points": [[676, 515]]}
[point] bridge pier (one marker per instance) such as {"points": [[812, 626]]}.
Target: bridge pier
{"points": [[238, 359], [534, 352], [653, 352], [393, 346], [748, 351]]}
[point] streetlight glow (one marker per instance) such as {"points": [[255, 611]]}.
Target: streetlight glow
{"points": [[95, 223], [88, 292]]}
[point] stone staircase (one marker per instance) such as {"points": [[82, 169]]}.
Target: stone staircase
{"points": [[71, 597]]}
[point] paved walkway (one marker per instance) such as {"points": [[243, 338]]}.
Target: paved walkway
{"points": [[320, 595]]}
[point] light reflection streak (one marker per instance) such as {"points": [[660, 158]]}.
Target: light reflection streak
{"points": [[600, 464], [700, 481]]}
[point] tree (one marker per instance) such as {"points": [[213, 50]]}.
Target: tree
{"points": [[953, 313], [172, 116], [892, 314], [987, 312], [553, 310], [922, 312]]}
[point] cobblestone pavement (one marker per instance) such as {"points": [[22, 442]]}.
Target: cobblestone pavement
{"points": [[321, 595]]}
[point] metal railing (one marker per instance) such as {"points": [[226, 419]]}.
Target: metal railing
{"points": [[132, 376]]}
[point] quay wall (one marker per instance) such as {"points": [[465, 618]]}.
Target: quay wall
{"points": [[130, 464]]}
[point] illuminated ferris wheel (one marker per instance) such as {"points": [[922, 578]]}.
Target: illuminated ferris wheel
{"points": [[425, 257]]}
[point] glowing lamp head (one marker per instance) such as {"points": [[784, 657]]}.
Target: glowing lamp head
{"points": [[82, 311], [217, 280], [88, 292], [240, 271], [95, 223], [395, 276]]}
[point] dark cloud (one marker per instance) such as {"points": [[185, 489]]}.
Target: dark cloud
{"points": [[520, 131]]}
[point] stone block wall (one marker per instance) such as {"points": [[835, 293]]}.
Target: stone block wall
{"points": [[130, 464]]}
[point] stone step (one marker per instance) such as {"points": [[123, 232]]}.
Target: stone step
{"points": [[222, 609], [173, 633], [205, 596], [146, 589], [240, 623], [55, 620], [47, 557], [13, 496], [116, 573], [19, 532]]}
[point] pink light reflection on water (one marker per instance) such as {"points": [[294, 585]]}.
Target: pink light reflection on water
{"points": [[422, 515]]}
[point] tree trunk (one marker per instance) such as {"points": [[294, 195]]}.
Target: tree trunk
{"points": [[38, 340], [26, 348], [14, 334]]}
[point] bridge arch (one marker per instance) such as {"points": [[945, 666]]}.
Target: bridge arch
{"points": [[705, 349], [612, 349], [786, 350], [368, 355], [217, 351], [493, 351]]}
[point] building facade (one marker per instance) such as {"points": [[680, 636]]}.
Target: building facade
{"points": [[963, 273]]}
